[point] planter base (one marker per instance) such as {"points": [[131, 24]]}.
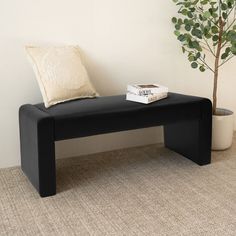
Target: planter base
{"points": [[222, 129]]}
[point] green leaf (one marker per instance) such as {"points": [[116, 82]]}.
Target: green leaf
{"points": [[209, 24], [180, 21], [195, 44], [194, 65], [202, 68], [214, 15], [230, 4], [190, 44], [184, 12], [191, 58], [215, 38], [195, 2], [214, 29], [207, 14], [211, 11], [190, 14], [231, 36], [177, 33], [181, 38], [177, 27], [197, 33], [201, 17], [225, 15], [174, 20], [204, 2], [186, 21], [224, 56], [198, 55], [188, 27], [208, 36], [233, 50], [227, 50], [224, 7]]}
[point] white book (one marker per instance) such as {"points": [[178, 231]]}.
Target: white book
{"points": [[145, 89], [146, 99]]}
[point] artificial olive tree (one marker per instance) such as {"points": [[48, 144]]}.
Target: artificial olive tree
{"points": [[207, 29]]}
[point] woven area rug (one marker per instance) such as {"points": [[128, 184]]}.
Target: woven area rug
{"points": [[139, 191]]}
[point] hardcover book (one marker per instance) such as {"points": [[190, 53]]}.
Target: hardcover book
{"points": [[146, 99], [146, 89]]}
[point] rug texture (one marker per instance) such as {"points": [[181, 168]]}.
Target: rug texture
{"points": [[139, 191]]}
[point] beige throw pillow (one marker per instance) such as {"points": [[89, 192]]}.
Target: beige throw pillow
{"points": [[60, 73]]}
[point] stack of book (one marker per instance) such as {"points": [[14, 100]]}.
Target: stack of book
{"points": [[146, 93]]}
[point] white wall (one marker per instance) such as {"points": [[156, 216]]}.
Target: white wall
{"points": [[123, 41]]}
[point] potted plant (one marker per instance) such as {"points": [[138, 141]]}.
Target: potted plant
{"points": [[207, 32]]}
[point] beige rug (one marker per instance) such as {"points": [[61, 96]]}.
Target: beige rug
{"points": [[140, 191]]}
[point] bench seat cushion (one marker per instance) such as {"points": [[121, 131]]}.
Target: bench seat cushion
{"points": [[93, 116]]}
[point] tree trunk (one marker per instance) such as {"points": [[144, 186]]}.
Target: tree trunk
{"points": [[217, 59]]}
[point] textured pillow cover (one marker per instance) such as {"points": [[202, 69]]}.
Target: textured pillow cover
{"points": [[60, 73]]}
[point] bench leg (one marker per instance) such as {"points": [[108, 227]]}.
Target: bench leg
{"points": [[38, 149], [191, 139]]}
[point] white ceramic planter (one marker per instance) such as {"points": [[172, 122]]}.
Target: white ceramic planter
{"points": [[222, 129]]}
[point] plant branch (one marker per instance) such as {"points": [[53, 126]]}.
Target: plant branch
{"points": [[234, 18], [232, 56], [210, 19], [206, 42], [233, 8], [216, 70], [205, 45], [220, 3], [224, 44], [203, 61], [210, 49], [230, 25]]}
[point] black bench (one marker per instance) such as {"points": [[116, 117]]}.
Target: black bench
{"points": [[186, 119]]}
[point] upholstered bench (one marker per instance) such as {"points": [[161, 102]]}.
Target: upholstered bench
{"points": [[186, 120]]}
